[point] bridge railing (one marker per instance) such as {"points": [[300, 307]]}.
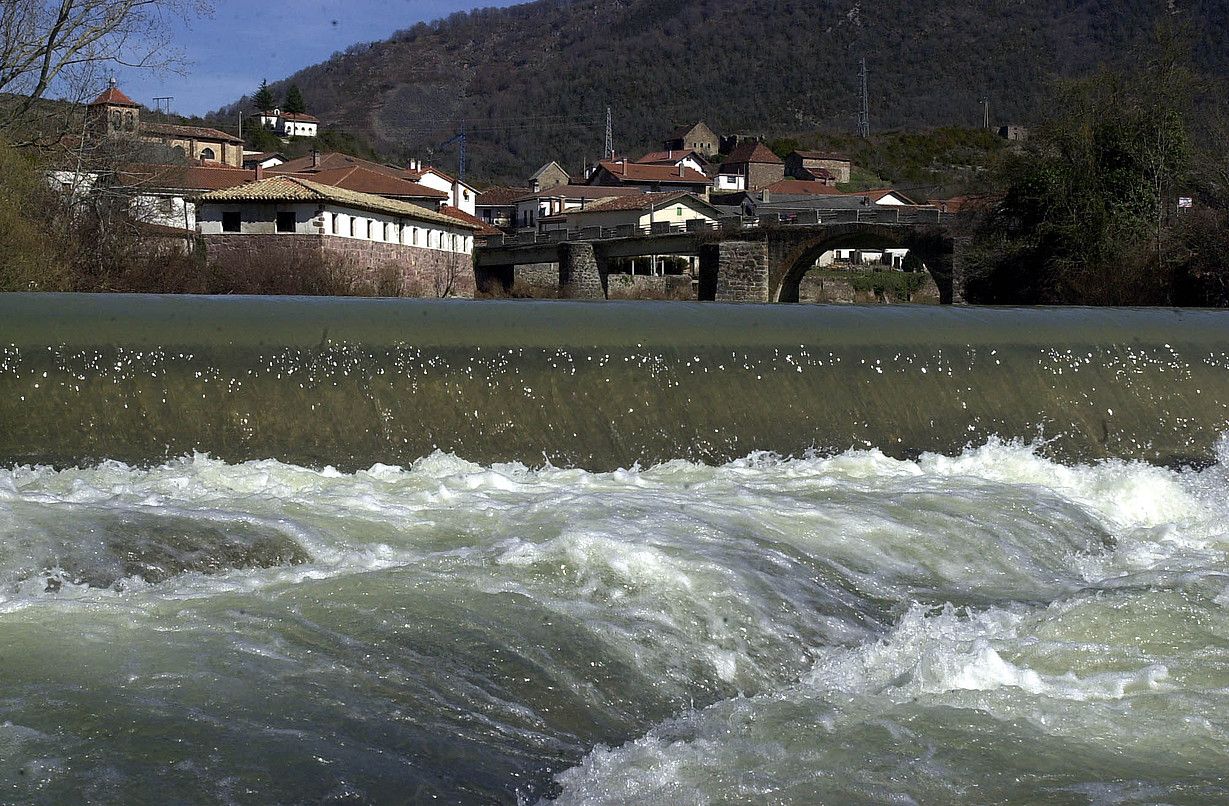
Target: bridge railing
{"points": [[781, 217]]}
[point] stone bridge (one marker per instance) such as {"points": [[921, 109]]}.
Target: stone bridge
{"points": [[738, 265]]}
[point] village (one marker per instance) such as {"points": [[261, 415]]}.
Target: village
{"points": [[413, 230]]}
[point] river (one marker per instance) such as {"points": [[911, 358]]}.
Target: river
{"points": [[355, 551]]}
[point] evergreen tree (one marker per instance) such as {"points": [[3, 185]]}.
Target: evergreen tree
{"points": [[294, 100], [264, 97]]}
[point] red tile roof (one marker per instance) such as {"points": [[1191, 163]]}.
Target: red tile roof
{"points": [[300, 116], [639, 173], [113, 97], [584, 192], [673, 156], [362, 179], [752, 152], [802, 187], [639, 201], [333, 159], [201, 178], [187, 132], [484, 229], [501, 196]]}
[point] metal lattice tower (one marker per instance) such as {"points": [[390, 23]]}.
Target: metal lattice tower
{"points": [[608, 152], [864, 110]]}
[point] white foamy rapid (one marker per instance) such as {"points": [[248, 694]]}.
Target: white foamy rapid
{"points": [[987, 627]]}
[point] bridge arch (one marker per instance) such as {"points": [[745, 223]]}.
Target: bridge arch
{"points": [[793, 253]]}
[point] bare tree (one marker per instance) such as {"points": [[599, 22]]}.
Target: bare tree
{"points": [[45, 44]]}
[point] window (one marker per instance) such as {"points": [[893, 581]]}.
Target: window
{"points": [[353, 227], [208, 154], [337, 223], [286, 221], [166, 205], [414, 234], [371, 230], [678, 212], [232, 221], [454, 243]]}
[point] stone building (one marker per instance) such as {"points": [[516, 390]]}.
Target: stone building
{"points": [[548, 176], [696, 137], [755, 163], [818, 165], [114, 114], [291, 219]]}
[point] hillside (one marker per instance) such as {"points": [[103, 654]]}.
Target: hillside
{"points": [[532, 82]]}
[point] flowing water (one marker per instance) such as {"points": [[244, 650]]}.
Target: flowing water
{"points": [[305, 551]]}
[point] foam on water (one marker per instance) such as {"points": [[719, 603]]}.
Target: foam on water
{"points": [[848, 627]]}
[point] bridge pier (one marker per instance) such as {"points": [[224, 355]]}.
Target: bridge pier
{"points": [[580, 274], [734, 271]]}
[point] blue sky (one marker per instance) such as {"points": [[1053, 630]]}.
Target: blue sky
{"points": [[230, 51]]}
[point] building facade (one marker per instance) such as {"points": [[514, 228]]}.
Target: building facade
{"points": [[813, 165], [294, 219], [696, 137]]}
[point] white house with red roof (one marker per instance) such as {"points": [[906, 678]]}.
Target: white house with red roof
{"points": [[674, 211], [290, 124], [461, 194]]}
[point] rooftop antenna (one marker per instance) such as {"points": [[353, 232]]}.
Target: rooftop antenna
{"points": [[162, 103], [864, 112], [609, 153]]}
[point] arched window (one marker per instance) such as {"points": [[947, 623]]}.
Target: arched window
{"points": [[454, 243], [415, 236], [208, 154], [353, 227], [130, 122]]}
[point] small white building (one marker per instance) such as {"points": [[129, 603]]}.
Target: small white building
{"points": [[728, 181], [678, 159], [532, 207], [461, 195], [645, 212], [290, 124]]}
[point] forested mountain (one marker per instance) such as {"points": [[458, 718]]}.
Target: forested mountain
{"points": [[532, 82]]}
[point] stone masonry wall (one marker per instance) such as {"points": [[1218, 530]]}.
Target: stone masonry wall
{"points": [[742, 271], [579, 275], [536, 280], [641, 286], [423, 272], [764, 174], [374, 267]]}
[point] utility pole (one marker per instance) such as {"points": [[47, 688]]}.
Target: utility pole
{"points": [[864, 112], [985, 114], [608, 152]]}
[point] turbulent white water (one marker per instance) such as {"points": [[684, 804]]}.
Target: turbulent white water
{"points": [[991, 627]]}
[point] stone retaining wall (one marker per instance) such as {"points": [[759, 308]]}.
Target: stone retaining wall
{"points": [[374, 267], [640, 286]]}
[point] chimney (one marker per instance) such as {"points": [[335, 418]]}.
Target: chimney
{"points": [[315, 158], [681, 170], [260, 172], [623, 166]]}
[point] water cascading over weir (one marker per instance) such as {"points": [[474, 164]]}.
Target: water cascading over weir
{"points": [[590, 554], [350, 383]]}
